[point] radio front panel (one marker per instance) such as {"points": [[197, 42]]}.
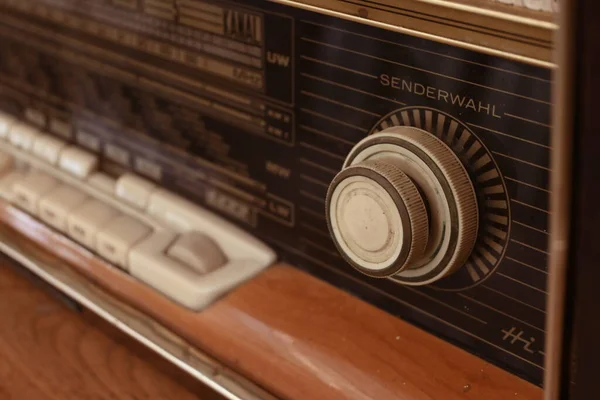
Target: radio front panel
{"points": [[251, 108]]}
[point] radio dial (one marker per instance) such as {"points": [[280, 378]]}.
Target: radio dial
{"points": [[380, 216], [403, 206]]}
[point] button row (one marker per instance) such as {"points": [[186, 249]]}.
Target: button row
{"points": [[54, 151], [96, 225], [73, 160], [185, 252]]}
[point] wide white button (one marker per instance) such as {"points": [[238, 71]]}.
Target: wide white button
{"points": [[23, 136], [27, 192], [55, 207], [182, 216], [48, 148], [84, 222], [174, 211], [118, 236], [6, 121], [134, 190], [77, 162], [149, 263], [197, 251]]}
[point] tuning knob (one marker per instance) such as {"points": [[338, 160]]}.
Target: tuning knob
{"points": [[403, 206], [378, 217]]}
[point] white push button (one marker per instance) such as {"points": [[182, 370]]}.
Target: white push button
{"points": [[56, 206], [102, 182], [149, 262], [23, 136], [48, 148], [174, 211], [134, 190], [77, 162], [6, 121], [84, 222], [27, 192], [183, 216], [114, 241], [198, 251]]}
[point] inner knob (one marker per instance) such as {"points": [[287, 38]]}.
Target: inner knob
{"points": [[404, 207], [378, 217]]}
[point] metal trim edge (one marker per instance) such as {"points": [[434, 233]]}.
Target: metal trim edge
{"points": [[548, 28], [227, 389]]}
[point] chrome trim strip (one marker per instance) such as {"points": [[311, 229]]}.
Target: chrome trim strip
{"points": [[230, 389], [496, 14], [560, 200], [542, 62]]}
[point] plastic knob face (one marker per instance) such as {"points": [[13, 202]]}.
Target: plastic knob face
{"points": [[403, 207], [377, 217]]}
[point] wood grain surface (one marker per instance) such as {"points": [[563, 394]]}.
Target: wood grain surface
{"points": [[296, 336], [320, 340], [48, 351]]}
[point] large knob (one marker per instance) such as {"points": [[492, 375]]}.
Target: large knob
{"points": [[403, 206], [379, 216]]}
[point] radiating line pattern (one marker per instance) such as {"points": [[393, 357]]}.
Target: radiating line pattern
{"points": [[500, 188]]}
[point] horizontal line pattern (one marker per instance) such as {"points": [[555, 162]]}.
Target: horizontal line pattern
{"points": [[352, 107], [348, 88]]}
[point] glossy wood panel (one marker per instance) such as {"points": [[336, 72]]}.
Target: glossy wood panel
{"points": [[50, 352], [297, 336]]}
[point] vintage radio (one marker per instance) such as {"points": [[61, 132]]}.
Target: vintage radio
{"points": [[159, 155]]}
